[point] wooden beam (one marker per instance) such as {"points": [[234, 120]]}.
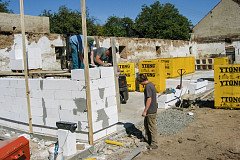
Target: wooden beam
{"points": [[25, 67], [115, 67], [86, 73]]}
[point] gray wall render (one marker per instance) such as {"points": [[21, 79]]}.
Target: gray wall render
{"points": [[53, 100], [33, 24]]}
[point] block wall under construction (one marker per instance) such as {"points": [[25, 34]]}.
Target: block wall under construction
{"points": [[55, 100]]}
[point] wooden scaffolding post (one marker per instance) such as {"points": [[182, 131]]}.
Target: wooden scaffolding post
{"points": [[86, 73], [115, 66], [25, 67]]}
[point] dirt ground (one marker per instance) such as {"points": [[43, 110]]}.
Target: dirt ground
{"points": [[213, 135]]}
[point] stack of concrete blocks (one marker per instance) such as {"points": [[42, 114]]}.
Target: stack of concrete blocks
{"points": [[103, 99], [166, 101], [53, 100], [34, 59], [198, 87], [193, 86]]}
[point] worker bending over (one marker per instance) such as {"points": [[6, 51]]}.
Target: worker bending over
{"points": [[77, 51], [103, 56]]}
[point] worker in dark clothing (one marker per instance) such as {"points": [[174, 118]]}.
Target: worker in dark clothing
{"points": [[150, 111], [103, 56]]}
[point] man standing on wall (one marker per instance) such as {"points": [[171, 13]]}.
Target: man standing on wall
{"points": [[77, 48], [150, 111]]}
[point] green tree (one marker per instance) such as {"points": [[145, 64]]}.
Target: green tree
{"points": [[68, 21], [4, 7], [119, 27], [162, 21]]}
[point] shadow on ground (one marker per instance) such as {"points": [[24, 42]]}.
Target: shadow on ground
{"points": [[205, 103], [131, 130]]}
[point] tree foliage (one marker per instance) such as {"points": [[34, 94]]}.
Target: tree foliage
{"points": [[4, 7], [68, 21], [119, 27], [162, 21]]}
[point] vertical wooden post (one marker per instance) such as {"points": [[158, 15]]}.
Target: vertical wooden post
{"points": [[86, 73], [115, 66], [25, 66], [97, 42]]}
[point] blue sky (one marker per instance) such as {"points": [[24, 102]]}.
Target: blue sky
{"points": [[194, 10]]}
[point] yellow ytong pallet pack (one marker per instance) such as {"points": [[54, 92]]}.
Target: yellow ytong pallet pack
{"points": [[172, 65], [221, 61], [128, 69], [227, 86], [155, 71]]}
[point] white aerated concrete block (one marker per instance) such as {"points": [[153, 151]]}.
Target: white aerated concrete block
{"points": [[16, 54], [9, 92], [99, 134], [37, 120], [66, 115], [167, 100], [48, 94], [34, 53], [36, 102], [50, 103], [96, 126], [37, 111], [81, 116], [21, 84], [36, 94], [113, 119], [77, 74], [106, 72], [94, 73], [106, 82], [62, 95], [67, 141], [110, 91], [16, 64], [4, 82], [51, 122], [111, 101], [67, 104], [34, 84], [82, 136], [20, 92], [52, 113], [98, 104], [79, 94], [94, 84]]}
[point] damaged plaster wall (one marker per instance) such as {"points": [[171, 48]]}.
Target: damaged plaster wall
{"points": [[215, 48], [45, 42], [136, 49]]}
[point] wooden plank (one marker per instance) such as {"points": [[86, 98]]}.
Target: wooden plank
{"points": [[86, 73], [115, 65], [25, 67]]}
